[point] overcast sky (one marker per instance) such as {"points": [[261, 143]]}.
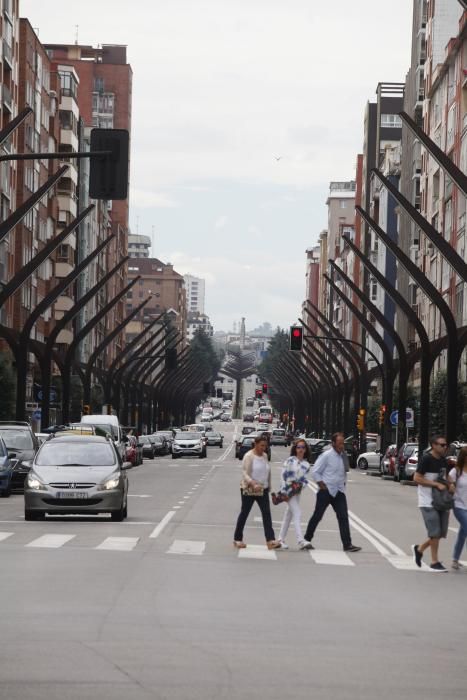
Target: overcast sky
{"points": [[221, 89]]}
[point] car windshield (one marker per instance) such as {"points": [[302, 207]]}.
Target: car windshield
{"points": [[17, 439], [278, 432], [75, 454], [213, 434], [165, 434], [144, 439], [185, 435], [104, 429]]}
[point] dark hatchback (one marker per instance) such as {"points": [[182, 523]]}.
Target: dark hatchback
{"points": [[22, 446], [245, 446]]}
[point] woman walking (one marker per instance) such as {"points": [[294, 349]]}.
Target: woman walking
{"points": [[458, 476], [294, 480], [254, 487]]}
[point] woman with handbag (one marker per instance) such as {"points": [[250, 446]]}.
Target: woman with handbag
{"points": [[458, 476], [254, 488], [294, 479]]}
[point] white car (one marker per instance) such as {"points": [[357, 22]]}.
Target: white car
{"points": [[189, 443], [369, 460]]}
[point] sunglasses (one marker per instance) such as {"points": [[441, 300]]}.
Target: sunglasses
{"points": [[301, 447]]}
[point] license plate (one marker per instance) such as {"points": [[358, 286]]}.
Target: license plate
{"points": [[71, 494]]}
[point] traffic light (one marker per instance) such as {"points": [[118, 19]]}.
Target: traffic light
{"points": [[171, 359], [265, 388], [108, 175], [296, 338], [258, 394], [86, 410], [382, 414], [361, 420]]}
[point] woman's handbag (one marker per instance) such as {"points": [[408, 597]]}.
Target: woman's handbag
{"points": [[442, 500], [250, 491], [293, 490]]}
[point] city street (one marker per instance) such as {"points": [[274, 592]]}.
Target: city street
{"points": [[163, 606]]}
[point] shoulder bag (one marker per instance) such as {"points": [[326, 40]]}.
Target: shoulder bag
{"points": [[442, 500]]}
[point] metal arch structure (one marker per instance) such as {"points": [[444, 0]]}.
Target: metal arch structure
{"points": [[453, 346], [403, 365], [426, 362], [67, 318], [79, 337], [330, 378]]}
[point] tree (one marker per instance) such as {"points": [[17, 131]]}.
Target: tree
{"points": [[8, 384], [203, 352]]}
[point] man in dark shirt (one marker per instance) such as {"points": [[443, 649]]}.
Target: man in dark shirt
{"points": [[432, 465]]}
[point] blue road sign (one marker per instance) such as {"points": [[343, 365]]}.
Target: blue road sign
{"points": [[37, 414], [409, 418]]}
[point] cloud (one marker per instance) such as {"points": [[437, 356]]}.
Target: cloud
{"points": [[146, 199]]}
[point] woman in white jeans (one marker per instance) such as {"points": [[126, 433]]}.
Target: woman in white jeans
{"points": [[294, 479]]}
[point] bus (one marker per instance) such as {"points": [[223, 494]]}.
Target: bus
{"points": [[265, 414]]}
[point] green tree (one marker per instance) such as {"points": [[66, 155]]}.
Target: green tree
{"points": [[202, 350], [8, 384]]}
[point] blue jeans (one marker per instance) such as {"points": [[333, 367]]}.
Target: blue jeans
{"points": [[461, 516]]}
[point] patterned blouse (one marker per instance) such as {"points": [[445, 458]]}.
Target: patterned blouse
{"points": [[294, 471]]}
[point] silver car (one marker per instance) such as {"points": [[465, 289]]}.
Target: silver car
{"points": [[189, 443], [77, 474], [279, 437]]}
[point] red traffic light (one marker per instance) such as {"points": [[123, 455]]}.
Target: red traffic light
{"points": [[265, 388], [296, 338]]}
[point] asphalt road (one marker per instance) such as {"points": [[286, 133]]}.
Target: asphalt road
{"points": [[162, 606]]}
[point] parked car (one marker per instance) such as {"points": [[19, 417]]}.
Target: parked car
{"points": [[317, 445], [148, 447], [249, 417], [169, 438], [388, 463], [369, 460], [279, 437], [405, 452], [22, 446], [6, 470], [77, 474], [226, 417], [245, 446], [189, 443], [215, 439], [411, 465], [42, 437], [112, 425], [134, 453], [160, 445]]}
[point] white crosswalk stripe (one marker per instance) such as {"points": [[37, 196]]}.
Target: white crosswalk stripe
{"points": [[193, 547], [5, 535], [122, 544], [50, 541], [332, 557], [257, 551]]}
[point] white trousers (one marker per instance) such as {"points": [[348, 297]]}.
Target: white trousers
{"points": [[294, 513]]}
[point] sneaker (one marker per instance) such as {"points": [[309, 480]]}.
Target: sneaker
{"points": [[438, 568], [304, 544], [456, 565], [417, 555], [352, 548], [282, 545], [239, 545], [273, 544]]}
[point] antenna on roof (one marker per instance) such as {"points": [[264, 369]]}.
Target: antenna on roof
{"points": [[77, 34]]}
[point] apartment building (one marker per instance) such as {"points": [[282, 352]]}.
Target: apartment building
{"points": [[195, 293], [445, 121], [312, 281], [139, 245], [196, 322], [9, 53]]}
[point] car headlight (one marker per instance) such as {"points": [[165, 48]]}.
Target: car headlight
{"points": [[111, 483], [34, 483], [4, 467]]}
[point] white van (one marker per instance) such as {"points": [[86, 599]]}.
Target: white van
{"points": [[111, 425]]}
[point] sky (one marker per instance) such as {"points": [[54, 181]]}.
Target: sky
{"points": [[243, 112]]}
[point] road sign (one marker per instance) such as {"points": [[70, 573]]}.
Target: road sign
{"points": [[409, 418], [52, 395], [37, 415]]}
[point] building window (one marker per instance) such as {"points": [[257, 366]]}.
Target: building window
{"points": [[343, 204], [391, 121], [98, 84], [373, 290]]}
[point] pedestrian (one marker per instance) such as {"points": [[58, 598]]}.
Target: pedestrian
{"points": [[458, 477], [254, 488], [294, 479], [329, 472], [432, 466]]}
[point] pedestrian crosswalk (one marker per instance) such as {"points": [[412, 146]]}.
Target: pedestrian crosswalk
{"points": [[200, 548]]}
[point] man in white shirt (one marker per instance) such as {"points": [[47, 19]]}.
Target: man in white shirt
{"points": [[329, 472]]}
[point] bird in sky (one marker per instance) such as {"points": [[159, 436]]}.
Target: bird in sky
{"points": [[278, 157]]}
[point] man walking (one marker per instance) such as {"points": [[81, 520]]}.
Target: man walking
{"points": [[432, 465], [329, 472]]}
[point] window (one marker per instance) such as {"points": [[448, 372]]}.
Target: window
{"points": [[373, 290], [391, 121], [342, 204], [99, 84], [68, 84]]}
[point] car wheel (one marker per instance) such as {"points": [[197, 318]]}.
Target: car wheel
{"points": [[221, 445], [33, 515], [362, 463], [125, 510], [174, 456], [118, 515]]}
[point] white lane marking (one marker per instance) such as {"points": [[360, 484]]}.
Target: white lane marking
{"points": [[181, 503], [406, 563], [5, 535], [165, 521], [137, 495], [185, 498], [334, 558], [192, 547], [122, 544], [257, 551], [176, 507], [373, 536], [51, 541]]}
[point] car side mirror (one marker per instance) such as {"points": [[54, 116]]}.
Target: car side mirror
{"points": [[127, 465]]}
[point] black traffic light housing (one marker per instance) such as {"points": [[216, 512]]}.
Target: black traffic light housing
{"points": [[171, 359], [108, 176], [296, 338]]}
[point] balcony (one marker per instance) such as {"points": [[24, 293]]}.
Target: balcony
{"points": [[7, 55], [62, 304], [7, 98], [67, 203], [62, 269], [65, 337], [69, 138]]}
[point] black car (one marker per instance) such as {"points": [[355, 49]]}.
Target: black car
{"points": [[160, 444], [148, 447], [245, 446], [22, 446], [169, 438], [247, 429], [215, 439], [249, 417]]}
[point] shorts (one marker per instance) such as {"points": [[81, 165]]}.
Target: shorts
{"points": [[436, 522]]}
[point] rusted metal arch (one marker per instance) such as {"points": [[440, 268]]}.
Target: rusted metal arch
{"points": [[335, 393], [300, 377], [453, 348], [329, 394]]}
